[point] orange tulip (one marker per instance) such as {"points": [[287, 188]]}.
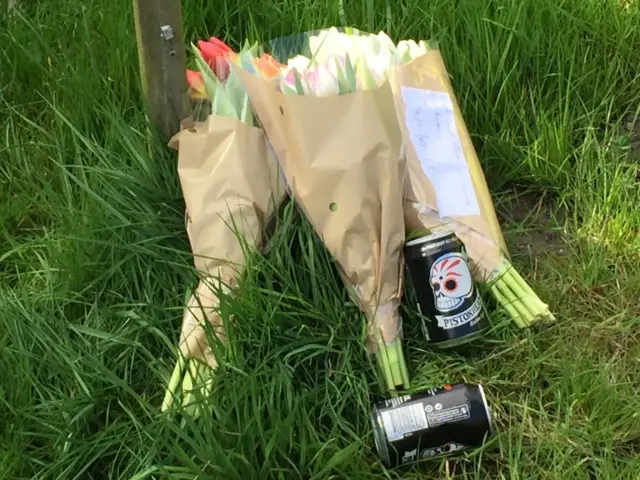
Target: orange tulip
{"points": [[196, 84], [267, 65]]}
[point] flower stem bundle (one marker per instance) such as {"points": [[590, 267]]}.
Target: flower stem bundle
{"points": [[515, 295]]}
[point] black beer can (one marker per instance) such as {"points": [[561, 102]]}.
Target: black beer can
{"points": [[447, 297], [431, 423]]}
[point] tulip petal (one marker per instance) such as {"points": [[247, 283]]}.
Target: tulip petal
{"points": [[299, 62], [195, 83], [220, 44], [267, 65], [386, 42], [215, 54]]}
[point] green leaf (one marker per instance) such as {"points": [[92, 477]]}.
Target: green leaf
{"points": [[253, 49], [298, 82], [368, 82], [211, 82], [245, 60], [235, 92], [246, 114], [350, 73], [343, 83]]}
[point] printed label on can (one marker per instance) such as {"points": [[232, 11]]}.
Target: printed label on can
{"points": [[443, 450], [401, 421], [470, 316], [410, 456], [440, 243], [448, 415], [451, 281], [448, 301], [394, 402]]}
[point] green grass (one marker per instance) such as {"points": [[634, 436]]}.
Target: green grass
{"points": [[94, 261]]}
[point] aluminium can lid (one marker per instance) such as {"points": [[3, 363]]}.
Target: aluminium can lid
{"points": [[487, 409], [379, 437]]}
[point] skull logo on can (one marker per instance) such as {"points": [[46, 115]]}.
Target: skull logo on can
{"points": [[441, 280], [451, 281]]}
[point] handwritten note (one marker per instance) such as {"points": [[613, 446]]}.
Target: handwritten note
{"points": [[432, 131]]}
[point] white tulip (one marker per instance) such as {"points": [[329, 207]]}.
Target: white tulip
{"points": [[386, 42], [325, 73], [403, 53], [380, 64], [317, 40], [288, 84], [300, 63], [336, 64], [413, 48], [320, 82], [377, 54], [368, 43], [329, 42]]}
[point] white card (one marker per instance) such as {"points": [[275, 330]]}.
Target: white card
{"points": [[432, 130]]}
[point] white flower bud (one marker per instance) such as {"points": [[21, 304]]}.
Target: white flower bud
{"points": [[300, 62], [386, 42]]}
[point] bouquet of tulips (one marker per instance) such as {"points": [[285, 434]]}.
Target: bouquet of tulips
{"points": [[330, 115], [231, 188], [446, 188]]}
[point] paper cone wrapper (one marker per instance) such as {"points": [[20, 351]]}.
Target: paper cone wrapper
{"points": [[446, 188], [231, 189], [341, 157]]}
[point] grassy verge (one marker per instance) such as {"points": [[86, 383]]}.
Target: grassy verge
{"points": [[94, 260]]}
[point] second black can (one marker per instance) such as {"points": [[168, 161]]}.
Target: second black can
{"points": [[431, 423], [448, 299]]}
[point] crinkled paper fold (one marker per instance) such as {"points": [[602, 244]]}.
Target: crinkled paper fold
{"points": [[481, 232], [231, 189], [342, 159]]}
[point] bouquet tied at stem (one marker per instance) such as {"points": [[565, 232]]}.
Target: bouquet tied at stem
{"points": [[330, 116], [231, 187], [446, 188]]}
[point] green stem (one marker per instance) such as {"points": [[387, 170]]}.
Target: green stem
{"points": [[506, 289], [383, 363], [394, 363], [209, 383], [174, 381], [404, 371], [523, 294], [204, 377], [188, 396], [511, 310], [543, 307]]}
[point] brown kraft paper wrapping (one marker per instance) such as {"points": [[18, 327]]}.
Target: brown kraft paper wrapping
{"points": [[231, 189], [341, 158], [481, 234]]}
